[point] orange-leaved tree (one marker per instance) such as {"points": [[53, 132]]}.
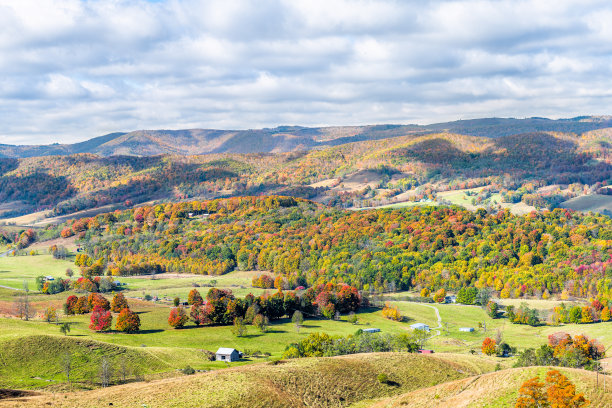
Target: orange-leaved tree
{"points": [[488, 346], [532, 395], [178, 317], [559, 393], [127, 321], [119, 303], [194, 297], [562, 393]]}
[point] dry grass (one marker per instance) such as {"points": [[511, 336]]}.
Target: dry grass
{"points": [[495, 390], [314, 382]]}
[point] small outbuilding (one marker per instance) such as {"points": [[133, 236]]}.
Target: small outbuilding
{"points": [[450, 299], [228, 354], [466, 329], [371, 330], [420, 326]]}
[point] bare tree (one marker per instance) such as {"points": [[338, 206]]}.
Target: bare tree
{"points": [[67, 365], [124, 370], [106, 372], [23, 309]]}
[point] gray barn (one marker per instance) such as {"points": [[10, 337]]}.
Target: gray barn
{"points": [[228, 354]]}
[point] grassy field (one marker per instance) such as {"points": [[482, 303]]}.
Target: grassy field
{"points": [[593, 202], [160, 349], [314, 382], [14, 270]]}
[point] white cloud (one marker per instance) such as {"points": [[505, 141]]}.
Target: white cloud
{"points": [[72, 69]]}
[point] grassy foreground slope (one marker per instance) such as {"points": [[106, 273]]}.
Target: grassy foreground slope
{"points": [[495, 390], [36, 361], [313, 382]]}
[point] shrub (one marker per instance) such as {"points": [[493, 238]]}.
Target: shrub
{"points": [[188, 370], [382, 378]]}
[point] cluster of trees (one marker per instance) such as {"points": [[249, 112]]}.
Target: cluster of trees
{"points": [[94, 284], [523, 315], [375, 250], [221, 307], [322, 344], [51, 287], [557, 392], [595, 312], [564, 350], [100, 308], [491, 347]]}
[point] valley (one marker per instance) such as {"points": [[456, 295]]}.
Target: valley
{"points": [[296, 256]]}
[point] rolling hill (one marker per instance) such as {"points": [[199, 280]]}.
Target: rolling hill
{"points": [[415, 381], [292, 138], [310, 382], [540, 170]]}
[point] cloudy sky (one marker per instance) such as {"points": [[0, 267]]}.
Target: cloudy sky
{"points": [[75, 69]]}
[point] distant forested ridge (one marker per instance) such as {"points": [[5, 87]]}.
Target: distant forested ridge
{"points": [[541, 253], [538, 169]]}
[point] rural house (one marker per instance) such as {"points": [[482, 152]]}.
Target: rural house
{"points": [[466, 329], [228, 354], [371, 330], [420, 326]]}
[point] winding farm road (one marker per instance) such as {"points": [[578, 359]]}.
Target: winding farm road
{"points": [[437, 329], [7, 253]]}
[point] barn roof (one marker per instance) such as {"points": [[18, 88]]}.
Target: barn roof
{"points": [[225, 350]]}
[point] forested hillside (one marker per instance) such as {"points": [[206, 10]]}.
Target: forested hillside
{"points": [[292, 138], [538, 169], [419, 247]]}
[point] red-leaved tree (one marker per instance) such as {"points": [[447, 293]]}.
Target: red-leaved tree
{"points": [[101, 319]]}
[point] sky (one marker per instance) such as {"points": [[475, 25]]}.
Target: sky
{"points": [[71, 70]]}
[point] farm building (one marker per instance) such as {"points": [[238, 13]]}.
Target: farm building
{"points": [[466, 329], [228, 354], [420, 326], [371, 330], [450, 299]]}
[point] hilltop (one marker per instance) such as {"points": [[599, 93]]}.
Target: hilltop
{"points": [[291, 138]]}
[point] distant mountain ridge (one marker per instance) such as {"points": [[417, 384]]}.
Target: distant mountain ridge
{"points": [[291, 138]]}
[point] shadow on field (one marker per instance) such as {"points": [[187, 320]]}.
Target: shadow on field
{"points": [[150, 331]]}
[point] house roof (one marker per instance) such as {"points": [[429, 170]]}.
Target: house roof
{"points": [[225, 350], [417, 325]]}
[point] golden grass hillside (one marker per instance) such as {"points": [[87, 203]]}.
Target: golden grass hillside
{"points": [[310, 382], [495, 390]]}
